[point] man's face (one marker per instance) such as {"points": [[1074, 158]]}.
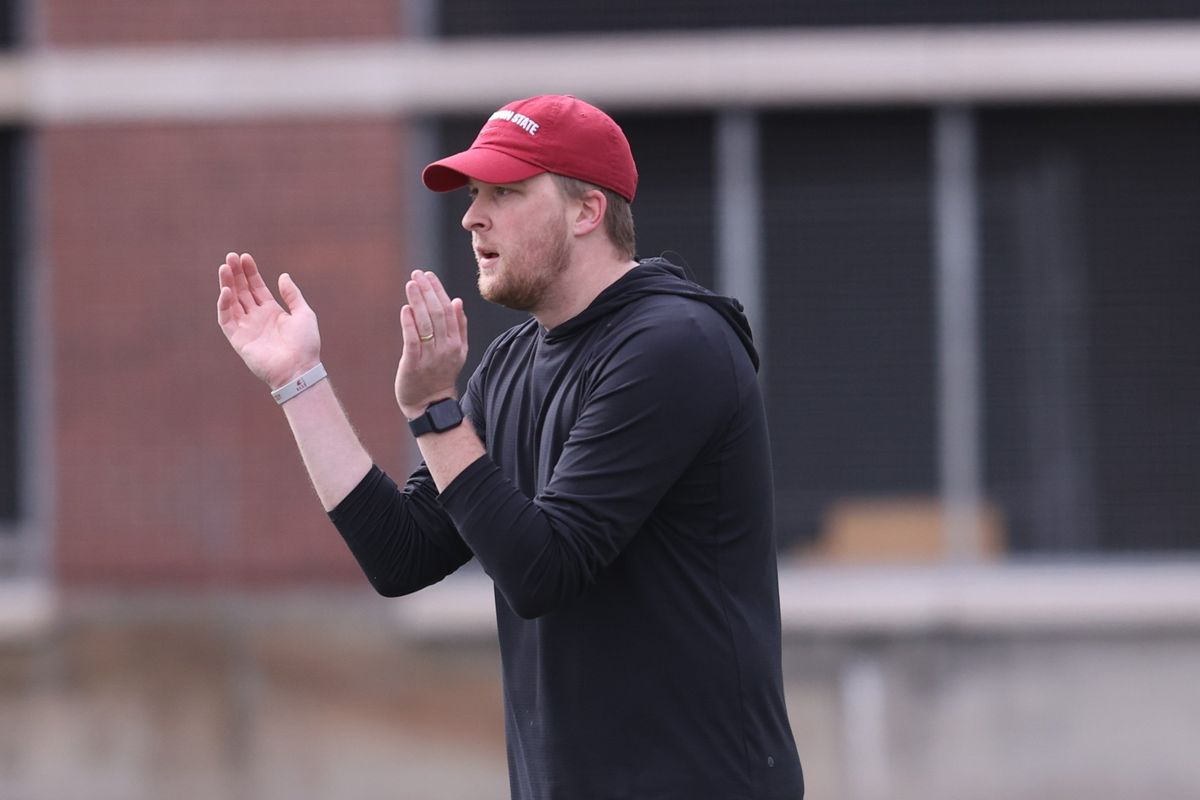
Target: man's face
{"points": [[521, 238]]}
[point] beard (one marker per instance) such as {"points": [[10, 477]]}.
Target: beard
{"points": [[525, 274]]}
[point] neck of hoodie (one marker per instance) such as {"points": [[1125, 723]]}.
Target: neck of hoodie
{"points": [[656, 276]]}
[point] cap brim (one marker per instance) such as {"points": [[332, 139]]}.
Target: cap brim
{"points": [[480, 163]]}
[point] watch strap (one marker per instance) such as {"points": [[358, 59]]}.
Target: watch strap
{"points": [[425, 423]]}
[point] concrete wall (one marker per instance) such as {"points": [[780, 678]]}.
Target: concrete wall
{"points": [[317, 695], [998, 717]]}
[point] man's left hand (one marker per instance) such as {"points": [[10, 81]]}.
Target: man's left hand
{"points": [[435, 345]]}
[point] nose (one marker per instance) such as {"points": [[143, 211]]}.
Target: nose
{"points": [[474, 219]]}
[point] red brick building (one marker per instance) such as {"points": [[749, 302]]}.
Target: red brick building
{"points": [[164, 462]]}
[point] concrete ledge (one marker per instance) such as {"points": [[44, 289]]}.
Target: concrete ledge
{"points": [[902, 601], [759, 68], [27, 608], [1005, 597], [460, 607]]}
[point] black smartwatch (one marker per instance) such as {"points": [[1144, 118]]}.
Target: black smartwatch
{"points": [[440, 416]]}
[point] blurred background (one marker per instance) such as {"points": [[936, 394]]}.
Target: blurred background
{"points": [[966, 235]]}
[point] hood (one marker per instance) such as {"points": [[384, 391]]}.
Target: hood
{"points": [[659, 276]]}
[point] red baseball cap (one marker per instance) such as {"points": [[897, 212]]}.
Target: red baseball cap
{"points": [[548, 133]]}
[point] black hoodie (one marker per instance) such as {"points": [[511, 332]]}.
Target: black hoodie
{"points": [[624, 512]]}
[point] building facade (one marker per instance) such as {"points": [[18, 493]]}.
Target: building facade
{"points": [[965, 237]]}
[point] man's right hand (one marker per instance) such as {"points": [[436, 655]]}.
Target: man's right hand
{"points": [[277, 345]]}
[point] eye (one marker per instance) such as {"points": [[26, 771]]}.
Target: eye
{"points": [[502, 191]]}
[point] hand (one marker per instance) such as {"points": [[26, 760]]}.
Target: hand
{"points": [[276, 345], [435, 345]]}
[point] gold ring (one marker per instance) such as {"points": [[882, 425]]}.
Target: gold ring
{"points": [[428, 338]]}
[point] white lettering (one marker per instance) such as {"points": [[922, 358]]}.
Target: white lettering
{"points": [[520, 120]]}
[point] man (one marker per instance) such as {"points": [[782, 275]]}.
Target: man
{"points": [[608, 467]]}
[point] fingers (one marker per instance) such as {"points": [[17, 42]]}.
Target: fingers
{"points": [[258, 287], [450, 312], [460, 316], [434, 313], [248, 285], [241, 289], [409, 332], [420, 314], [228, 310], [438, 304], [240, 283], [427, 308], [290, 293], [244, 294]]}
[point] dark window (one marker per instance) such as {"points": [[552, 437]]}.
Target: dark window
{"points": [[850, 363], [483, 17], [9, 23], [1092, 279], [9, 340], [673, 210]]}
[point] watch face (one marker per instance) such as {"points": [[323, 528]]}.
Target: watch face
{"points": [[445, 414]]}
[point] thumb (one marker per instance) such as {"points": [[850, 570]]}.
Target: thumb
{"points": [[290, 293]]}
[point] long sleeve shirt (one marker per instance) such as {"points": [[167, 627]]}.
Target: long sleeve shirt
{"points": [[624, 513]]}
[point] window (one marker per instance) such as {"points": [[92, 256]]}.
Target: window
{"points": [[10, 380], [9, 23], [1092, 335], [850, 363], [492, 17]]}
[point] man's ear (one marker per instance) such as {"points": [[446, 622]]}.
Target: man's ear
{"points": [[590, 216]]}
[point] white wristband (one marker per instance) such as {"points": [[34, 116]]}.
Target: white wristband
{"points": [[290, 390]]}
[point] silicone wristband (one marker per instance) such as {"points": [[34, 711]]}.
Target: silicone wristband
{"points": [[308, 379]]}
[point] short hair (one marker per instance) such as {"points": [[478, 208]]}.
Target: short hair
{"points": [[618, 217]]}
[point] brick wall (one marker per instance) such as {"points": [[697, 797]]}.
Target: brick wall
{"points": [[173, 465], [92, 22]]}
